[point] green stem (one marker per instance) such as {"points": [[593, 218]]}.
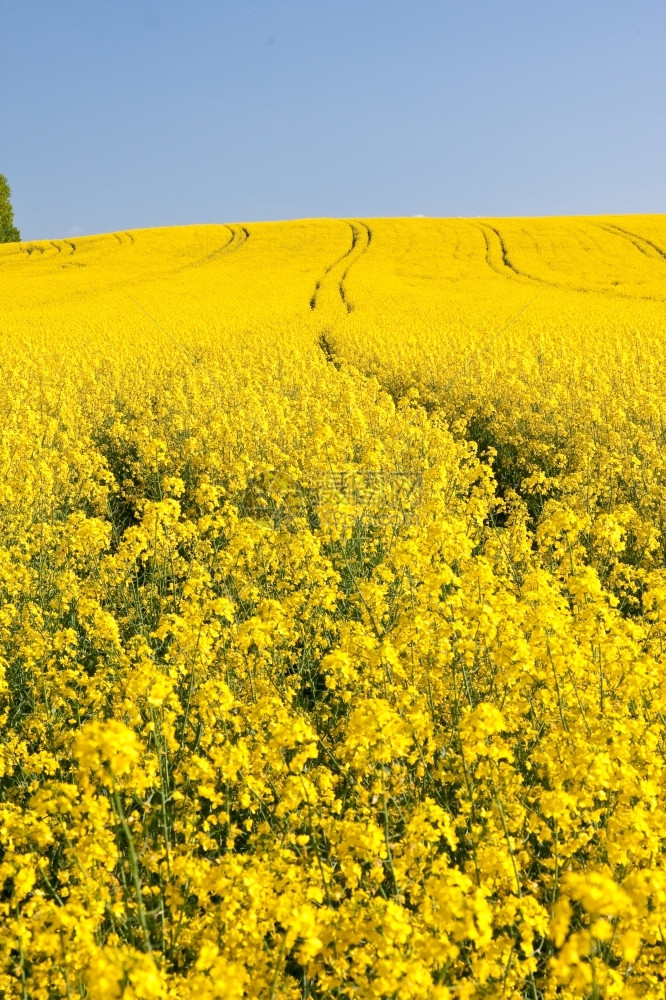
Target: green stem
{"points": [[134, 867]]}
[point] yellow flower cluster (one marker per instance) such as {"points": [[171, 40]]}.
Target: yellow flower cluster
{"points": [[332, 599]]}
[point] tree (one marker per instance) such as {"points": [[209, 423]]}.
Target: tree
{"points": [[8, 231]]}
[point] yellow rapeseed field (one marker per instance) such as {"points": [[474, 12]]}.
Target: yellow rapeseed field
{"points": [[333, 611]]}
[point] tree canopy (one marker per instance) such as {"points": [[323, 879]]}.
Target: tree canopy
{"points": [[8, 231]]}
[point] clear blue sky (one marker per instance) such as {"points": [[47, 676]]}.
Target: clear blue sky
{"points": [[128, 113]]}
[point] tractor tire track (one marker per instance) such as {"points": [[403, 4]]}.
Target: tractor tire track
{"points": [[361, 237], [643, 245], [238, 236], [508, 268], [124, 238]]}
